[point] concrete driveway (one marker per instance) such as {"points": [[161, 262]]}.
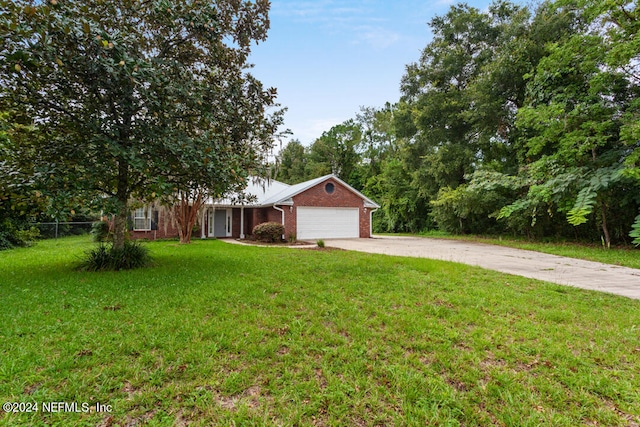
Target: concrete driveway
{"points": [[551, 268]]}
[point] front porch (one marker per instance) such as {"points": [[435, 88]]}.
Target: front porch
{"points": [[228, 221]]}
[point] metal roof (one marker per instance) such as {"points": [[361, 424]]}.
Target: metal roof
{"points": [[272, 192]]}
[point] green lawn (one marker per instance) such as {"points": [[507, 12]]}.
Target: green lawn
{"points": [[220, 334]]}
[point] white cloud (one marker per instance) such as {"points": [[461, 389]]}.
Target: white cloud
{"points": [[357, 22], [377, 37], [314, 11]]}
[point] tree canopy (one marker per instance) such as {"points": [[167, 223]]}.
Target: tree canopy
{"points": [[514, 119], [135, 99]]}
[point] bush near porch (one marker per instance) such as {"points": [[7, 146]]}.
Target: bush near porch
{"points": [[268, 232]]}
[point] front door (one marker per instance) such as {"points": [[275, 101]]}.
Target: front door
{"points": [[220, 223]]}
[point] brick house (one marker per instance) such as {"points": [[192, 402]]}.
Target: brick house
{"points": [[321, 208]]}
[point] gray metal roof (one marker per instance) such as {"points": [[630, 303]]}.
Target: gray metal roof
{"points": [[272, 192]]}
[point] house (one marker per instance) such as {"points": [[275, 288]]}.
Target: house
{"points": [[321, 208]]}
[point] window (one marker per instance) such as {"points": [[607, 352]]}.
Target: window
{"points": [[142, 219], [329, 188]]}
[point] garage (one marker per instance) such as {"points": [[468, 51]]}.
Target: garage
{"points": [[327, 223]]}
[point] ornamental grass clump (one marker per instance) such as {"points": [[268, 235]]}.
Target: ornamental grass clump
{"points": [[268, 232], [100, 231], [108, 258]]}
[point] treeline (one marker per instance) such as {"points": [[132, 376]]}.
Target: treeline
{"points": [[514, 120]]}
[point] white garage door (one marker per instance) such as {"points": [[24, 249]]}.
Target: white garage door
{"points": [[327, 223]]}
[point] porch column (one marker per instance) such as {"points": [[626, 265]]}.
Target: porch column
{"points": [[242, 222], [204, 213]]}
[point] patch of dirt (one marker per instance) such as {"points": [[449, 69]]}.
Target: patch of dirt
{"points": [[442, 303], [253, 393], [427, 360], [129, 390], [106, 421], [250, 396], [32, 388], [282, 331], [318, 422], [141, 420], [457, 385], [491, 362], [227, 402], [462, 346], [320, 378], [632, 421], [525, 367], [180, 420]]}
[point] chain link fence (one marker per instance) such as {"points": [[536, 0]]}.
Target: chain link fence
{"points": [[53, 230]]}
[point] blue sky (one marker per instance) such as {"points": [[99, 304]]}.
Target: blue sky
{"points": [[329, 57]]}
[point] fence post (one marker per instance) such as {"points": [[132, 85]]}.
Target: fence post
{"points": [[56, 228]]}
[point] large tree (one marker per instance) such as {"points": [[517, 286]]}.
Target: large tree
{"points": [[580, 99], [137, 99], [291, 163], [336, 151]]}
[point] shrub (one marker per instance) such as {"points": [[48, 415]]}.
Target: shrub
{"points": [[100, 231], [268, 232], [106, 257], [320, 243], [17, 233]]}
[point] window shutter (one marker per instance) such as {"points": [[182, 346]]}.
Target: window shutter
{"points": [[154, 220]]}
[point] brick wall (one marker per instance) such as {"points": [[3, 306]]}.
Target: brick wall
{"points": [[315, 196], [341, 197], [165, 228]]}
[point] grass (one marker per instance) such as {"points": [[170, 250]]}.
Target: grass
{"points": [[627, 256], [220, 334]]}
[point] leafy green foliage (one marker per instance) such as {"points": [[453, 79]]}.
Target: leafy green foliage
{"points": [[461, 96], [135, 99], [100, 231], [573, 117], [520, 115], [21, 202], [336, 152], [635, 231], [403, 208], [291, 163], [107, 257], [459, 109], [15, 233], [545, 189], [268, 232], [472, 208], [601, 180]]}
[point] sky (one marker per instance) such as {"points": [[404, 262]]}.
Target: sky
{"points": [[327, 58]]}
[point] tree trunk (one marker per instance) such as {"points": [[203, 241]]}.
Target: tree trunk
{"points": [[120, 220], [186, 214], [120, 228], [605, 228]]}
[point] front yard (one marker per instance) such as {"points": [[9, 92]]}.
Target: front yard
{"points": [[220, 334]]}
